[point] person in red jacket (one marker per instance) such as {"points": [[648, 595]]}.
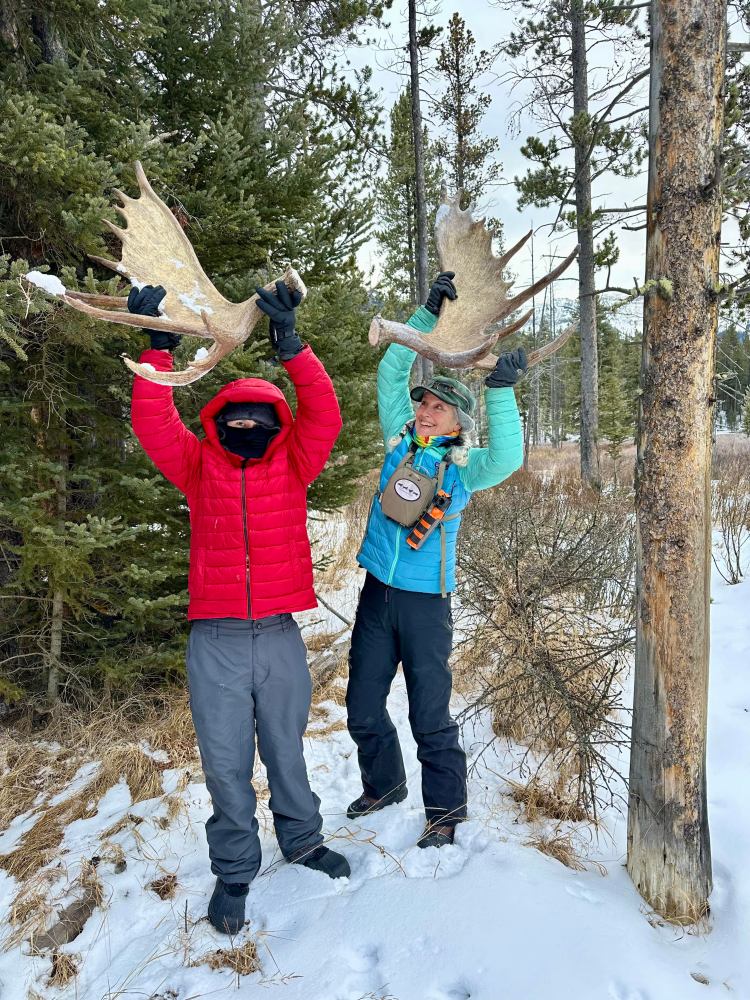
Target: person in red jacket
{"points": [[250, 568]]}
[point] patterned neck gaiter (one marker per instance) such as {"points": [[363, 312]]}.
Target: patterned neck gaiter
{"points": [[436, 440]]}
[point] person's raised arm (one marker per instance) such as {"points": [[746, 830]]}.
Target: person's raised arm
{"points": [[395, 407], [172, 448], [317, 422], [504, 454]]}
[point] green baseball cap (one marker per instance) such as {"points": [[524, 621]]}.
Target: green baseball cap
{"points": [[451, 391]]}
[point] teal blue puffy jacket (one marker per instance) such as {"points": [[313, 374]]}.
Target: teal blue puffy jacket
{"points": [[384, 551]]}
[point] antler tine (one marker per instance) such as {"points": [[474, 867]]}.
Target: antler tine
{"points": [[542, 353], [194, 370], [134, 319], [489, 360], [112, 265], [514, 327], [512, 304], [124, 198], [116, 301], [119, 233], [143, 181], [503, 260]]}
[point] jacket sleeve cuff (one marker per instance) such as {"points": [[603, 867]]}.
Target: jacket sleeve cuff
{"points": [[422, 320], [162, 361]]}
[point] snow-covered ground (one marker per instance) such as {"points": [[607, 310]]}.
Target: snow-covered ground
{"points": [[490, 918]]}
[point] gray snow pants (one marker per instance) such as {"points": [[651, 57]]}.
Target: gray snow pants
{"points": [[249, 678]]}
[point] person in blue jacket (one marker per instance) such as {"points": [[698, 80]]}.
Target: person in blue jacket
{"points": [[404, 612]]}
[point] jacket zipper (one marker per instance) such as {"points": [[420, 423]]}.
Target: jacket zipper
{"points": [[247, 539], [398, 532], [395, 556]]}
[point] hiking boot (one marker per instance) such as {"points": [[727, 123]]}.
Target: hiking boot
{"points": [[365, 805], [226, 910], [436, 836], [320, 859]]}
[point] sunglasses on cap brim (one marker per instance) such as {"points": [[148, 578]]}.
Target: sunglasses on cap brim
{"points": [[445, 387]]}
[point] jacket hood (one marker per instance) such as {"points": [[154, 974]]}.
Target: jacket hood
{"points": [[247, 390]]}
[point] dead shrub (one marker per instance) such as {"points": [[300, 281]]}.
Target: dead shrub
{"points": [[543, 801], [730, 501], [547, 597]]}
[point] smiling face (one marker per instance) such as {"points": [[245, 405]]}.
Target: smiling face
{"points": [[435, 417]]}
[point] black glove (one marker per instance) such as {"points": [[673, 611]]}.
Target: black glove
{"points": [[509, 368], [145, 301], [279, 306], [441, 288]]}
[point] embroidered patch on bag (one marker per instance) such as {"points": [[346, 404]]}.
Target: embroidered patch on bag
{"points": [[407, 490]]}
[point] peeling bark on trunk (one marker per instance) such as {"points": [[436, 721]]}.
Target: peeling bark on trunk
{"points": [[422, 367], [586, 286], [669, 855]]}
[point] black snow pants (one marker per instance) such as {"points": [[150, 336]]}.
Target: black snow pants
{"points": [[416, 630]]}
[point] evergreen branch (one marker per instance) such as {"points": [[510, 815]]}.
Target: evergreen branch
{"points": [[596, 126]]}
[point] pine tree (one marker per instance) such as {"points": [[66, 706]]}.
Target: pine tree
{"points": [[470, 157], [746, 413], [552, 48], [615, 414], [396, 206], [261, 161]]}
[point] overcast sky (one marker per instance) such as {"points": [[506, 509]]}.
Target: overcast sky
{"points": [[490, 25]]}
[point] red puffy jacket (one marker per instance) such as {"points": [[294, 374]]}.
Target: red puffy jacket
{"points": [[249, 549]]}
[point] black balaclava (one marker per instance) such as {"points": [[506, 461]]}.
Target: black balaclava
{"points": [[248, 442]]}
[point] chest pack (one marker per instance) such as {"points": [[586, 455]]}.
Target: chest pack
{"points": [[418, 501], [409, 493]]}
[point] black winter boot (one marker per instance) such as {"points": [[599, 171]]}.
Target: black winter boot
{"points": [[320, 859], [436, 836], [226, 910], [364, 805]]}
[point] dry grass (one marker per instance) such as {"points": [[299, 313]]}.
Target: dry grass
{"points": [[38, 916], [242, 960], [165, 887], [136, 743], [31, 911], [30, 768], [64, 969], [559, 846], [546, 802]]}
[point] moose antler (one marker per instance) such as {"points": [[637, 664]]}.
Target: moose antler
{"points": [[460, 338], [156, 250]]}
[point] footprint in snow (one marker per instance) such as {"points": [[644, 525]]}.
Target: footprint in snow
{"points": [[621, 991], [361, 959], [580, 891], [459, 991], [360, 974]]}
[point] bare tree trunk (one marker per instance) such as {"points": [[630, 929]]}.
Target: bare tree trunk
{"points": [[422, 367], [9, 25], [410, 246], [49, 39], [586, 288], [58, 604], [669, 854]]}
